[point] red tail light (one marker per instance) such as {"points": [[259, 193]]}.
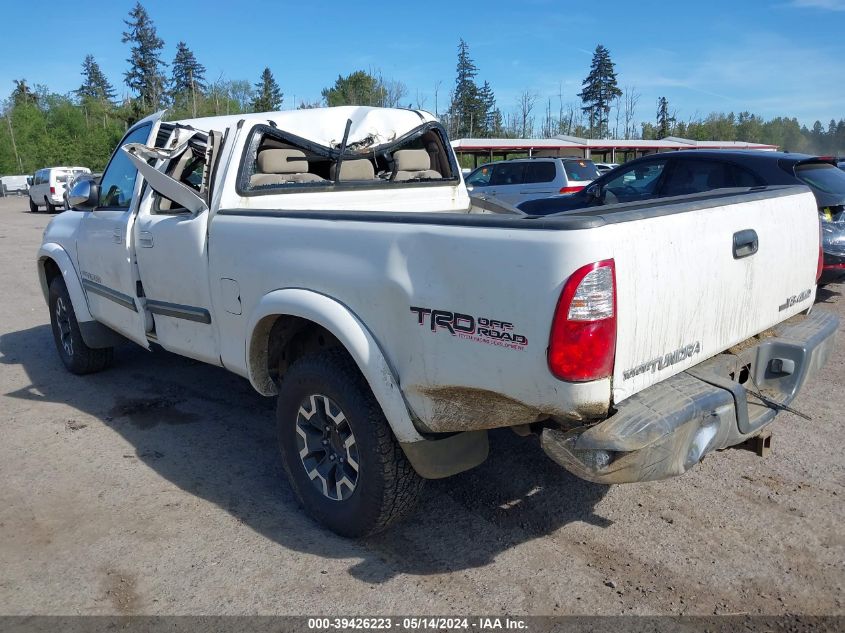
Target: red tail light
{"points": [[821, 255], [570, 189], [582, 343], [52, 191]]}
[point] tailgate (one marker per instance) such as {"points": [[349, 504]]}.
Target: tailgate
{"points": [[686, 292]]}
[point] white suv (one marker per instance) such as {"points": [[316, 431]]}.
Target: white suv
{"points": [[516, 181], [48, 186]]}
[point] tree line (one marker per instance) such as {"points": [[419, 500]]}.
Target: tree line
{"points": [[42, 128]]}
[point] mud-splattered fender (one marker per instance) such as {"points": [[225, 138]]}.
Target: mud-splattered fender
{"points": [[352, 334], [59, 255]]}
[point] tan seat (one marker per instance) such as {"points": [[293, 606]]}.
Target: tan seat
{"points": [[359, 169], [282, 166], [412, 164]]}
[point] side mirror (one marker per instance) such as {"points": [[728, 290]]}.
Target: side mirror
{"points": [[470, 188], [29, 180], [84, 196], [593, 192]]}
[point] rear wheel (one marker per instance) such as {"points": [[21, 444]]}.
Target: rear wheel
{"points": [[77, 357], [33, 208], [343, 463], [50, 208]]}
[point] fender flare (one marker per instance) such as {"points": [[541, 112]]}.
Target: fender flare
{"points": [[352, 334], [95, 334], [59, 255]]}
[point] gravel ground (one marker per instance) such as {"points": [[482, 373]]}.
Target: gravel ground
{"points": [[154, 488]]}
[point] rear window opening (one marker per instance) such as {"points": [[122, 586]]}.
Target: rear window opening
{"points": [[277, 162]]}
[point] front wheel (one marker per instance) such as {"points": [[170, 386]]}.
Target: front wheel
{"points": [[341, 458], [77, 357], [33, 208]]}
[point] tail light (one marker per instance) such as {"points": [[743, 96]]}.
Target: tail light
{"points": [[821, 255], [582, 343], [570, 189], [52, 191]]}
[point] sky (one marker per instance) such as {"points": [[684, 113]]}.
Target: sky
{"points": [[770, 57]]}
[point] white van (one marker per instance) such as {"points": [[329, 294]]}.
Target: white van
{"points": [[13, 185], [48, 186]]}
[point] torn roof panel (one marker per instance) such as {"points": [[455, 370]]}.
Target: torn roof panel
{"points": [[325, 126]]}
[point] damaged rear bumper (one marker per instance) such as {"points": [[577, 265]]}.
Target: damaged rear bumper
{"points": [[666, 429]]}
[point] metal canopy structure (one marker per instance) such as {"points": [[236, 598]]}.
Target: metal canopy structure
{"points": [[607, 150]]}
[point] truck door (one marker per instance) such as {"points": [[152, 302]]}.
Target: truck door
{"points": [[105, 251], [171, 233]]}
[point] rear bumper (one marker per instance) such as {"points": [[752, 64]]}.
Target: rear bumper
{"points": [[833, 267], [666, 429]]}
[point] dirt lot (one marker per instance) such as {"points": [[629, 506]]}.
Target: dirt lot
{"points": [[154, 488]]}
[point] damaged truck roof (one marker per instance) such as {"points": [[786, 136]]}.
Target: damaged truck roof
{"points": [[325, 126]]}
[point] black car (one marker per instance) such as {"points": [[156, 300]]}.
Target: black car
{"points": [[695, 171]]}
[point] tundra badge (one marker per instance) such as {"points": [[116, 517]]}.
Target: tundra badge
{"points": [[791, 301]]}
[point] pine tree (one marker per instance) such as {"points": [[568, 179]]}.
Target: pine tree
{"points": [[488, 114], [664, 119], [94, 82], [268, 97], [144, 75], [466, 113], [598, 91], [187, 79]]}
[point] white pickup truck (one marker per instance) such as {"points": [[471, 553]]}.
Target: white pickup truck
{"points": [[333, 258]]}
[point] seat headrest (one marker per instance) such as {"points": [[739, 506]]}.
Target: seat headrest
{"points": [[360, 169], [282, 161], [412, 160]]}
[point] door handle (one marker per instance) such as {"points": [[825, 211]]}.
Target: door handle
{"points": [[745, 243], [145, 239]]}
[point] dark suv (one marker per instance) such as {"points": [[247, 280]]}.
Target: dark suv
{"points": [[695, 171]]}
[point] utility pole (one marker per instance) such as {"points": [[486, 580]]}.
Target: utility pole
{"points": [[193, 92], [14, 145]]}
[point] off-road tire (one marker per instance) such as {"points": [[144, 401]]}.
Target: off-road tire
{"points": [[387, 485], [51, 208], [77, 357], [33, 208]]}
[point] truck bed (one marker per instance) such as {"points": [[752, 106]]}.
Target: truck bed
{"points": [[682, 294]]}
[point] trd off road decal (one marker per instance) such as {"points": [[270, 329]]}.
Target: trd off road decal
{"points": [[480, 329]]}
